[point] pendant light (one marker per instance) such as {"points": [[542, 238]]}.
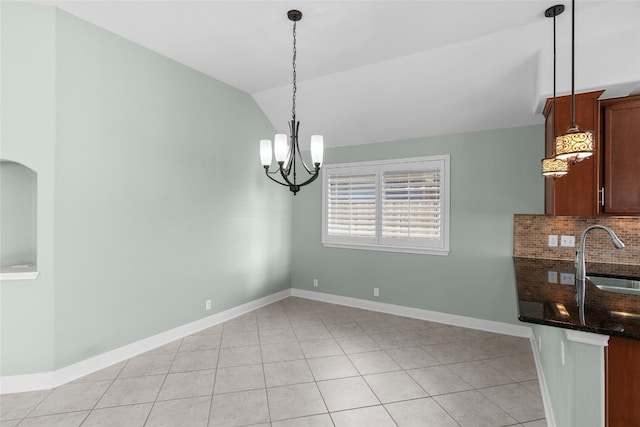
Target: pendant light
{"points": [[553, 167], [286, 148], [575, 145]]}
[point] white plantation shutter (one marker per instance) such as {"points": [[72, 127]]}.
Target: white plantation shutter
{"points": [[411, 205], [392, 205], [351, 205]]}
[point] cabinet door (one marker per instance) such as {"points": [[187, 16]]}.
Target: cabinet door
{"points": [[575, 194], [621, 157], [622, 377]]}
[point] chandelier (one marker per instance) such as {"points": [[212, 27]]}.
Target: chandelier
{"points": [[286, 148]]}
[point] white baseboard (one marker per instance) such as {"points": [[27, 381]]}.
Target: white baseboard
{"points": [[418, 313], [48, 380], [26, 382]]}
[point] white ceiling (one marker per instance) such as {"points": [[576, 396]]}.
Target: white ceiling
{"points": [[371, 71]]}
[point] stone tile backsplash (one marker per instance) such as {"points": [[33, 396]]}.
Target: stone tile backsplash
{"points": [[530, 238]]}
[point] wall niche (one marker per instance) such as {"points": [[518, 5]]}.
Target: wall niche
{"points": [[18, 221]]}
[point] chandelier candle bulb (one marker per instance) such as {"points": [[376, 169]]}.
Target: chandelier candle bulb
{"points": [[265, 152], [281, 147], [317, 149]]}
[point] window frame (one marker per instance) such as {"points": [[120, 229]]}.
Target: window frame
{"points": [[379, 243]]}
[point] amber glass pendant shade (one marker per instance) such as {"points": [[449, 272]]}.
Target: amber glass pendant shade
{"points": [[574, 145], [554, 168]]}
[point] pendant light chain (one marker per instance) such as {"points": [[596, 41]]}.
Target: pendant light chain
{"points": [[573, 63], [555, 129], [295, 86]]}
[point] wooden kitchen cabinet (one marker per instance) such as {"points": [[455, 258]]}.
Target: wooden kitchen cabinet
{"points": [[607, 183], [622, 382], [575, 194], [620, 177]]}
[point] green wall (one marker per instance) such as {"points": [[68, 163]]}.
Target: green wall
{"points": [[27, 136], [150, 186], [494, 174]]}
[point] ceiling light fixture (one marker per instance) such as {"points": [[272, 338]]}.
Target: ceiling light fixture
{"points": [[286, 149], [552, 167], [575, 145]]}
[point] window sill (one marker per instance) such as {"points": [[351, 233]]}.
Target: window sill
{"points": [[388, 248], [19, 272]]}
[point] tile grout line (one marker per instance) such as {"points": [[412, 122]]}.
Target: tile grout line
{"points": [[153, 404], [49, 392], [264, 374]]}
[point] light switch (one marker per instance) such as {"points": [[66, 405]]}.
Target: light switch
{"points": [[567, 278], [553, 240], [552, 276]]}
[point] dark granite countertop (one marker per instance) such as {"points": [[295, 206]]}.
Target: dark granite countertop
{"points": [[542, 301]]}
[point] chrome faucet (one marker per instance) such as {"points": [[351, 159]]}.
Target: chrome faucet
{"points": [[580, 263]]}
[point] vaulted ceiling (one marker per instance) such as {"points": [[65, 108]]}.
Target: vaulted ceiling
{"points": [[371, 71]]}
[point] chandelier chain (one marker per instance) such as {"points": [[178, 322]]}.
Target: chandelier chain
{"points": [[295, 87]]}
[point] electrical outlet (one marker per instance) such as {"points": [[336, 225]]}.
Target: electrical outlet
{"points": [[567, 278], [376, 292], [207, 304], [568, 241], [552, 276], [315, 283], [553, 240]]}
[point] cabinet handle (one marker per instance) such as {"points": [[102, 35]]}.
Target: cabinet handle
{"points": [[601, 194]]}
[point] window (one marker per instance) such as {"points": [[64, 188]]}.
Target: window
{"points": [[393, 205]]}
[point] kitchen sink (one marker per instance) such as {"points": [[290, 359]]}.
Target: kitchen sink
{"points": [[623, 285]]}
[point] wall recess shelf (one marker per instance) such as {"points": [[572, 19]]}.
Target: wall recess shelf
{"points": [[19, 272]]}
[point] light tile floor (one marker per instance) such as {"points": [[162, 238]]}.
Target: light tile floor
{"points": [[304, 363]]}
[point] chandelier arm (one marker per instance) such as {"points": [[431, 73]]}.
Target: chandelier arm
{"points": [[284, 173], [303, 163], [273, 179], [294, 125], [270, 172], [297, 150], [313, 178]]}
